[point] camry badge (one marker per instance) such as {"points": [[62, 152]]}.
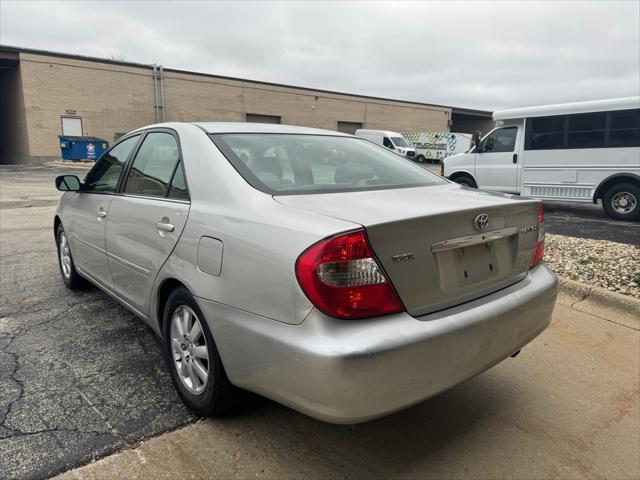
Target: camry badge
{"points": [[481, 221]]}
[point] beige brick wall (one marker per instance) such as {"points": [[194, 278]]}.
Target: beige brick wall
{"points": [[115, 98]]}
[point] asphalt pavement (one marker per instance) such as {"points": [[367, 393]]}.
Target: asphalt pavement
{"points": [[81, 377]]}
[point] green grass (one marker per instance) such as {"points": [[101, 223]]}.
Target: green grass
{"points": [[636, 279], [589, 261]]}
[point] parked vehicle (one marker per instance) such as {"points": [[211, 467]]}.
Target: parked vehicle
{"points": [[436, 146], [391, 140], [577, 152], [346, 289]]}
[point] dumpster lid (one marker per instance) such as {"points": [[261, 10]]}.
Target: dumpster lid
{"points": [[71, 138]]}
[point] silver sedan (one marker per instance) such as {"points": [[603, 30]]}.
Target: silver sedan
{"points": [[308, 266]]}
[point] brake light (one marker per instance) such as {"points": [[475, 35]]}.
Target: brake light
{"points": [[538, 252], [342, 278]]}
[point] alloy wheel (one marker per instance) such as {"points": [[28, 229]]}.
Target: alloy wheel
{"points": [[189, 350], [624, 202], [65, 256]]}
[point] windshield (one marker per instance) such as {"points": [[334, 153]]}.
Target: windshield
{"points": [[400, 142], [294, 164]]}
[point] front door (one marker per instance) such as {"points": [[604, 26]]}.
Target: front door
{"points": [[146, 220], [497, 162], [86, 212]]}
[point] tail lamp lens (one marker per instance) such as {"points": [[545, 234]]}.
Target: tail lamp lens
{"points": [[342, 278], [538, 252]]}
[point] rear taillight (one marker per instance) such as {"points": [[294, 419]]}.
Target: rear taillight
{"points": [[538, 252], [342, 278]]}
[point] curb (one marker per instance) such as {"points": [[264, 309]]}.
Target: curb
{"points": [[614, 307], [86, 165]]}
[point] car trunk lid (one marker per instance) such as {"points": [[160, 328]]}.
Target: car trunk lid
{"points": [[429, 242]]}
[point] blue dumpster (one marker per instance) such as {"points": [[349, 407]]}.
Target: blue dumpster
{"points": [[82, 148]]}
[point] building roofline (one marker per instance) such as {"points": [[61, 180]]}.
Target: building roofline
{"points": [[73, 56]]}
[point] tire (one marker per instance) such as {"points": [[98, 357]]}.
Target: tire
{"points": [[70, 276], [465, 180], [213, 396], [420, 159], [622, 201]]}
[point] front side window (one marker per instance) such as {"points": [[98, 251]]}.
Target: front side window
{"points": [[399, 142], [500, 140], [318, 164], [587, 130], [154, 166], [104, 176], [387, 143]]}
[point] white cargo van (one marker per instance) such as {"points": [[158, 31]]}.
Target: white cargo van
{"points": [[391, 140], [578, 152], [436, 146]]}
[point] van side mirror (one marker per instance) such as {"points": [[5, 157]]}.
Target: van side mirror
{"points": [[68, 183], [477, 142]]}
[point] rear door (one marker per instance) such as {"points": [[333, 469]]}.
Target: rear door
{"points": [[497, 163], [86, 211], [147, 218]]}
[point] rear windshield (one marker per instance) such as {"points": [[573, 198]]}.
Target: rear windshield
{"points": [[294, 164]]}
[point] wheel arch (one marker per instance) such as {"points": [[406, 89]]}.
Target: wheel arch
{"points": [[462, 173], [167, 286], [56, 224], [613, 180]]}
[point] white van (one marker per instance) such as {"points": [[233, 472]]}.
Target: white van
{"points": [[578, 152], [391, 140]]}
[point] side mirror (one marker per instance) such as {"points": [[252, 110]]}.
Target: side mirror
{"points": [[68, 183], [477, 142]]}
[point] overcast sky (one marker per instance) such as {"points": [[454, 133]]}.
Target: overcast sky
{"points": [[466, 54]]}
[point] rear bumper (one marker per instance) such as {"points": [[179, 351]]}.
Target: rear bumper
{"points": [[353, 371]]}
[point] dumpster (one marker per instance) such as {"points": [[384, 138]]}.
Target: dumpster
{"points": [[82, 148]]}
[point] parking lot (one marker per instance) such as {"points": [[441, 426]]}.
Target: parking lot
{"points": [[81, 377]]}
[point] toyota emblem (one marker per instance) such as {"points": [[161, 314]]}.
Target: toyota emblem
{"points": [[481, 221]]}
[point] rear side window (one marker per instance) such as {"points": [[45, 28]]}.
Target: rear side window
{"points": [[178, 189], [295, 164], [546, 132], [625, 128], [154, 166], [587, 130], [104, 176]]}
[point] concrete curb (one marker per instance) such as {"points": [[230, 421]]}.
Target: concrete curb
{"points": [[86, 165], [611, 306]]}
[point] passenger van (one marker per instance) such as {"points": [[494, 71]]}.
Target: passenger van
{"points": [[391, 140], [577, 152]]}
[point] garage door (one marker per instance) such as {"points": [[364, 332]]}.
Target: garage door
{"points": [[257, 118], [72, 126], [349, 127]]}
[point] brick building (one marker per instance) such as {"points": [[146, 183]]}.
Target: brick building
{"points": [[45, 94]]}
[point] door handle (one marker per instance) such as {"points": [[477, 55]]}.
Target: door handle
{"points": [[515, 158], [102, 214], [165, 227]]}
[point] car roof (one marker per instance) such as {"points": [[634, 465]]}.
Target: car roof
{"points": [[243, 127]]}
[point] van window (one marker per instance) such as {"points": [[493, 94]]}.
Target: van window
{"points": [[587, 130], [399, 142], [546, 132], [625, 128], [500, 140], [387, 143]]}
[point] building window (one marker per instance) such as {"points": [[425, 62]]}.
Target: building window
{"points": [[586, 130], [72, 126], [258, 118], [349, 127]]}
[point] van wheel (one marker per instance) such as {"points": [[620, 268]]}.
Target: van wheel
{"points": [[622, 201], [466, 180], [192, 357], [420, 158], [70, 276]]}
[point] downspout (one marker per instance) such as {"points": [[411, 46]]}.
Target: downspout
{"points": [[155, 91], [162, 93]]}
